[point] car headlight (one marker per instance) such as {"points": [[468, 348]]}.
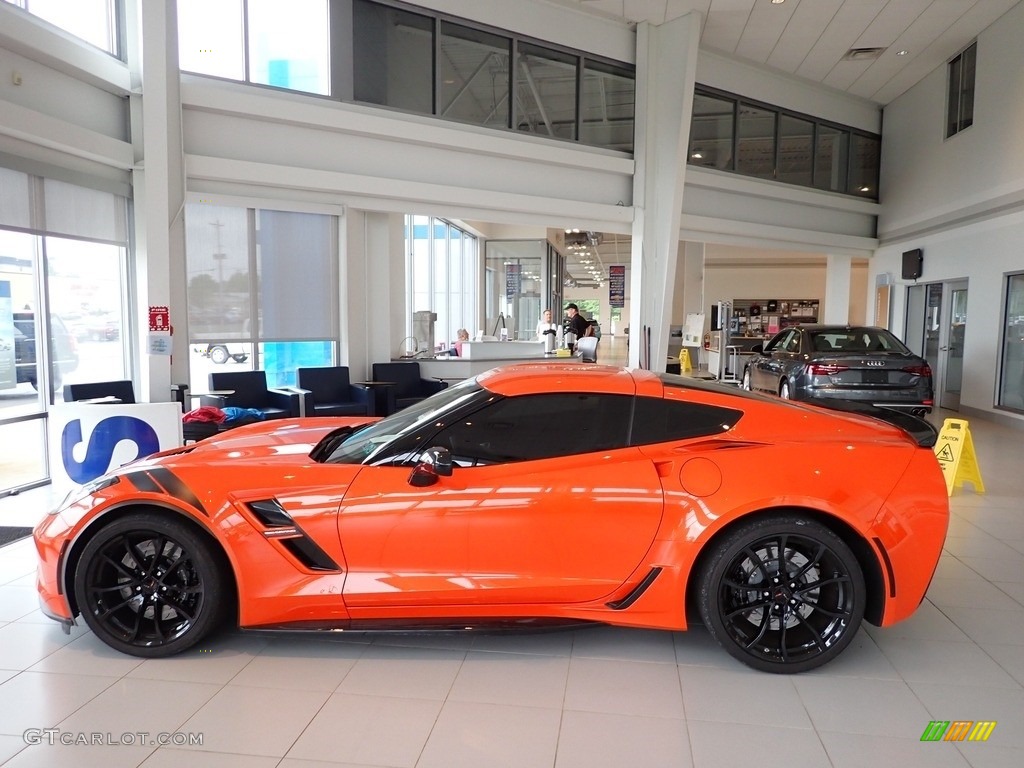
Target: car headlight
{"points": [[75, 495]]}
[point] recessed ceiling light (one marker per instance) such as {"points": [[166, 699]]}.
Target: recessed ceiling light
{"points": [[778, 2], [904, 52], [865, 189], [697, 155]]}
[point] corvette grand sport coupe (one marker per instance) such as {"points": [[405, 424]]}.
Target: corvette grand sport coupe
{"points": [[534, 494]]}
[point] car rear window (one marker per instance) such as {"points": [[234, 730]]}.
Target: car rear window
{"points": [[659, 421], [857, 340]]}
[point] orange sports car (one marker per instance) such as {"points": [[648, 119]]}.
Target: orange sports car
{"points": [[530, 495]]}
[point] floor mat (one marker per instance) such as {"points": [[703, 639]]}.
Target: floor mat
{"points": [[9, 533]]}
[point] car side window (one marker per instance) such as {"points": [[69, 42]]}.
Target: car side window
{"points": [[530, 427], [657, 420], [788, 342]]}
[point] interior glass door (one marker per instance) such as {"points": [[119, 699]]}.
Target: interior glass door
{"points": [[952, 350]]}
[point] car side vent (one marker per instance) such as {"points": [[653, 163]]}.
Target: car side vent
{"points": [[309, 554], [270, 513]]}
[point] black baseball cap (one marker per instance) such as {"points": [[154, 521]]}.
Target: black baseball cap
{"points": [[572, 306]]}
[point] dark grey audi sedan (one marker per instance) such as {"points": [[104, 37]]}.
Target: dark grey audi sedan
{"points": [[858, 363]]}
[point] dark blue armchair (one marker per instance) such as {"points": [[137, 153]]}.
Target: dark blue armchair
{"points": [[119, 391], [407, 385], [329, 392], [248, 389]]}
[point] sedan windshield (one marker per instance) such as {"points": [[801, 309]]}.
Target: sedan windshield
{"points": [[364, 444]]}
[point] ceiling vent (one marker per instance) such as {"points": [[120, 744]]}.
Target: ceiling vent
{"points": [[859, 54]]}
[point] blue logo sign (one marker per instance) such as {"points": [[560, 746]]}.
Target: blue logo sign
{"points": [[102, 442]]}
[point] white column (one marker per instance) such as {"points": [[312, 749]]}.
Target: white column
{"points": [[693, 278], [666, 67], [373, 302], [837, 289], [158, 180]]}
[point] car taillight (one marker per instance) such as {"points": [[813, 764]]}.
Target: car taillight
{"points": [[919, 370], [826, 369]]}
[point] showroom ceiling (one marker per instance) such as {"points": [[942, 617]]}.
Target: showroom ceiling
{"points": [[873, 49]]}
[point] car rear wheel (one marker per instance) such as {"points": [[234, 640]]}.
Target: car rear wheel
{"points": [[150, 585], [784, 391], [782, 594], [219, 355]]}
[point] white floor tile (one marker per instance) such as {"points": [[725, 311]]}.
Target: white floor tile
{"points": [[371, 730], [471, 735], [868, 707], [42, 700], [412, 673], [516, 679], [850, 750], [624, 687], [720, 745], [599, 740], [724, 697], [166, 757], [299, 664]]}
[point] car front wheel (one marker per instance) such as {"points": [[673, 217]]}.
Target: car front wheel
{"points": [[746, 379], [150, 585], [782, 594], [784, 391]]}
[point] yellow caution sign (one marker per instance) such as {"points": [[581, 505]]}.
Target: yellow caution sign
{"points": [[955, 452], [684, 360]]}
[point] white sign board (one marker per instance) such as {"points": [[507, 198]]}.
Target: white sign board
{"points": [[693, 331], [89, 439]]}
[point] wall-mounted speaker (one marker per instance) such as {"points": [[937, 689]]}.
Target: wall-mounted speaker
{"points": [[912, 263]]}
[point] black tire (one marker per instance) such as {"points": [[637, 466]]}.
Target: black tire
{"points": [[784, 391], [147, 562], [239, 358], [746, 379], [782, 622], [219, 355]]}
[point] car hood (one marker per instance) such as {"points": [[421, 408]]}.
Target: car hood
{"points": [[276, 441]]}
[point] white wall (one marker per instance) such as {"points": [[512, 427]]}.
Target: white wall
{"points": [[961, 200]]}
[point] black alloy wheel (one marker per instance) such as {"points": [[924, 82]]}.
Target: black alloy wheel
{"points": [[782, 594], [150, 585]]}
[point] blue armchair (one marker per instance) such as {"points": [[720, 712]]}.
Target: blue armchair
{"points": [[248, 389], [329, 392], [408, 387]]}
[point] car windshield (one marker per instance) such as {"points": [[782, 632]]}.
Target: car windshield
{"points": [[858, 340], [364, 444]]}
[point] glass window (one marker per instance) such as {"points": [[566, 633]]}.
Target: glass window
{"points": [[864, 152], [545, 91], [657, 421], [474, 76], [831, 157], [519, 428], [289, 45], [442, 270], [94, 21], [755, 146], [393, 53], [219, 296], [210, 38], [960, 103], [1011, 378], [607, 106], [796, 150], [711, 132]]}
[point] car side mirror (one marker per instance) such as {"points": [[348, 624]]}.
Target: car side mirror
{"points": [[757, 349], [433, 463]]}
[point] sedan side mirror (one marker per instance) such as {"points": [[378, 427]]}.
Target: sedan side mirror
{"points": [[434, 463], [757, 349]]}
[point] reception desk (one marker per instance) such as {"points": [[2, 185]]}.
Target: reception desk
{"points": [[458, 368], [502, 350]]}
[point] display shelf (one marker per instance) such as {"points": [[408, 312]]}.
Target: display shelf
{"points": [[759, 319]]}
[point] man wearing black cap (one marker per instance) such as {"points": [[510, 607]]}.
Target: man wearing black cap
{"points": [[574, 324]]}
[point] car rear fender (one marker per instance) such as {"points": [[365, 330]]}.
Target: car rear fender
{"points": [[922, 432]]}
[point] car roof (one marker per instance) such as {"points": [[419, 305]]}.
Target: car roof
{"points": [[837, 328], [524, 378]]}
